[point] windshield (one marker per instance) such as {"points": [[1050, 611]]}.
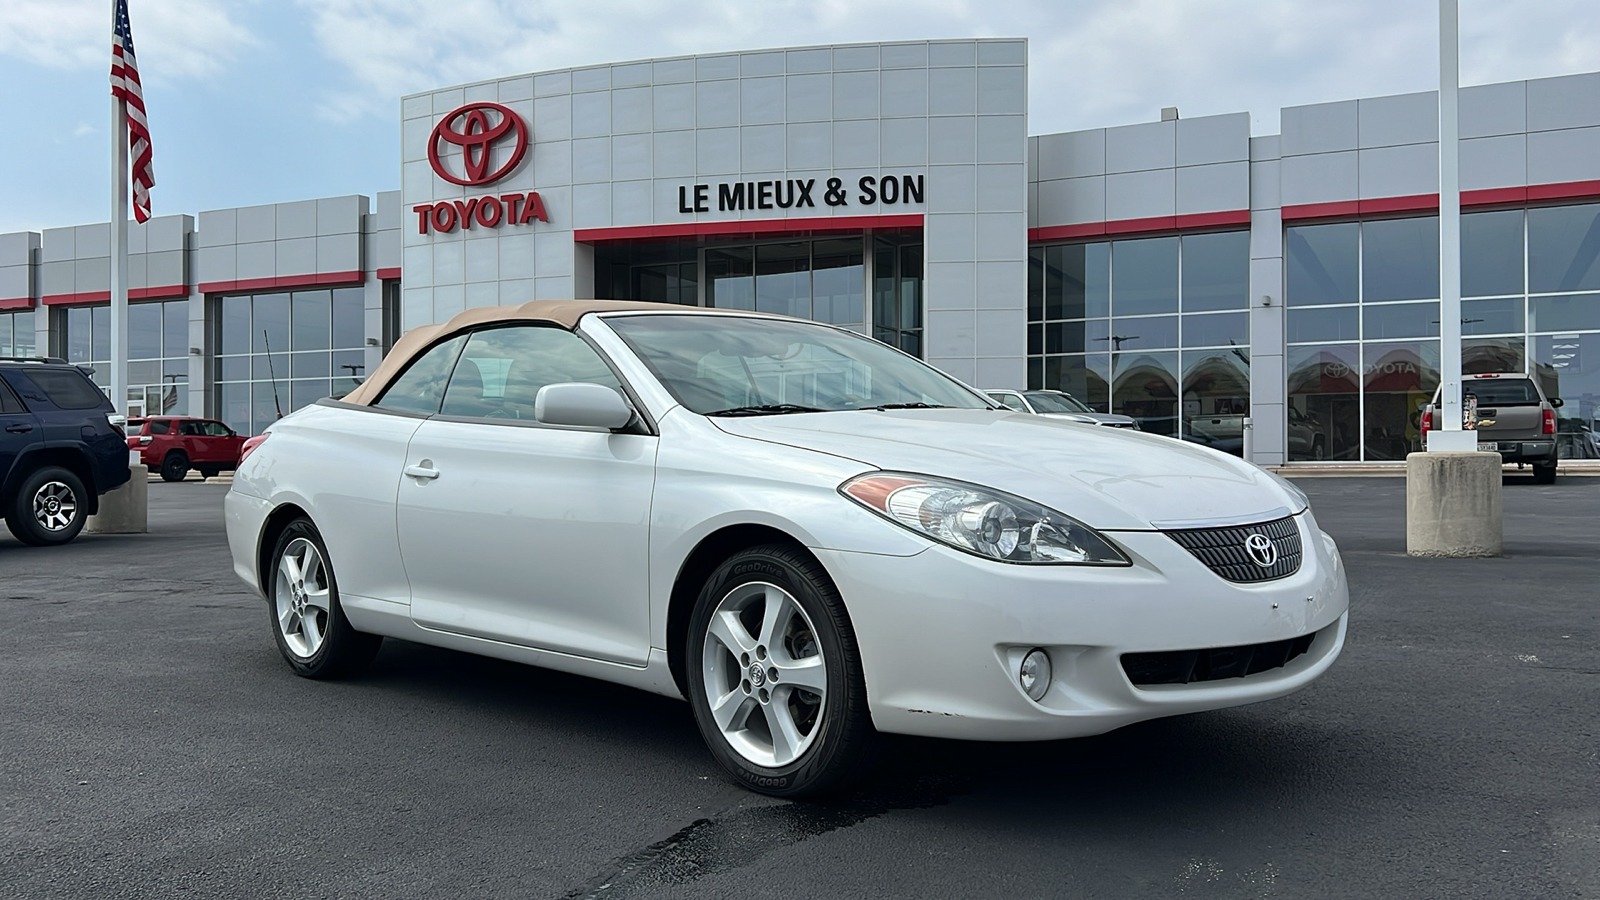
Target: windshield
{"points": [[1053, 402], [738, 365], [1501, 392]]}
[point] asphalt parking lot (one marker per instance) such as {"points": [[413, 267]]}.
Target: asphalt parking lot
{"points": [[152, 743]]}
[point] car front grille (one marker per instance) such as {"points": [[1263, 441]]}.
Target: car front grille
{"points": [[1213, 663], [1225, 552]]}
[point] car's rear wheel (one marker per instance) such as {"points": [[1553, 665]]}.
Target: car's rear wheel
{"points": [[1318, 449], [208, 471], [1544, 474], [308, 623], [175, 466], [50, 507], [775, 675]]}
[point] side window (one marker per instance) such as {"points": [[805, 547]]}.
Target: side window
{"points": [[1010, 401], [502, 369], [68, 388], [420, 387], [190, 428], [8, 401], [160, 426], [216, 429]]}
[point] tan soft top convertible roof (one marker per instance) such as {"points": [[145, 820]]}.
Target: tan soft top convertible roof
{"points": [[564, 313]]}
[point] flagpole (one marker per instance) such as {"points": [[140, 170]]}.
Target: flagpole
{"points": [[1448, 433], [119, 249]]}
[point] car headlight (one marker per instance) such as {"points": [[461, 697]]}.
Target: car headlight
{"points": [[982, 521]]}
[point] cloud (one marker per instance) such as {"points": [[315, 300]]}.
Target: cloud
{"points": [[175, 40], [84, 128]]}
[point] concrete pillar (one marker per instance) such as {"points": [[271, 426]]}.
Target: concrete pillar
{"points": [[125, 509], [1453, 504]]}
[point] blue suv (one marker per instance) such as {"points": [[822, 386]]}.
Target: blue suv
{"points": [[61, 447]]}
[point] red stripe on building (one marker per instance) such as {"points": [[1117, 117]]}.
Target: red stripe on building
{"points": [[163, 292], [1189, 222], [1509, 196], [389, 274], [16, 303], [326, 279], [747, 227]]}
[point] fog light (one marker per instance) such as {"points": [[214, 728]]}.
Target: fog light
{"points": [[1034, 674]]}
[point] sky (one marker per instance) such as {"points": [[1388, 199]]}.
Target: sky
{"points": [[261, 101]]}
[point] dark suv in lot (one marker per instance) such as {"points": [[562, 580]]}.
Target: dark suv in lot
{"points": [[61, 447]]}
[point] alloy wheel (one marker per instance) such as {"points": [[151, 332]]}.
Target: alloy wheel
{"points": [[765, 676], [55, 506], [301, 596]]}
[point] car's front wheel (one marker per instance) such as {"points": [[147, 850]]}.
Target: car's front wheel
{"points": [[308, 623], [50, 507], [775, 675], [1545, 474]]}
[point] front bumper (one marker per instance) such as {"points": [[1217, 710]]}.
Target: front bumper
{"points": [[942, 633]]}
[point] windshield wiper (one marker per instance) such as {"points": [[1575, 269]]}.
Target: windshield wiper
{"points": [[765, 409], [917, 405]]}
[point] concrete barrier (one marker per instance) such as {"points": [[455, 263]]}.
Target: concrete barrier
{"points": [[125, 509], [1453, 504]]}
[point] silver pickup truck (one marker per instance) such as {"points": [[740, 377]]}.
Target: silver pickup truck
{"points": [[1512, 417]]}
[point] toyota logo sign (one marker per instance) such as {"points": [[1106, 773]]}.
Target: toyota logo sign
{"points": [[477, 128], [1261, 549]]}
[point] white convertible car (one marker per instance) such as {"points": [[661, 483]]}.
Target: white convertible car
{"points": [[811, 536]]}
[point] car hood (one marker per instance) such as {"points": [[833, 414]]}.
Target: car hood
{"points": [[1108, 478], [1102, 418]]}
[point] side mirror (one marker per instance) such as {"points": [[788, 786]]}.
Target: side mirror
{"points": [[1556, 402], [581, 405]]}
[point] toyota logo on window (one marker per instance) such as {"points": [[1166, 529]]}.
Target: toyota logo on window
{"points": [[478, 128]]}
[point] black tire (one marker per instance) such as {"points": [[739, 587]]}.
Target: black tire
{"points": [[1544, 474], [208, 471], [1318, 449], [842, 739], [343, 651], [71, 502], [175, 466]]}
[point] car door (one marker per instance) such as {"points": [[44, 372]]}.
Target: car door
{"points": [[19, 430], [521, 532], [196, 442], [225, 442]]}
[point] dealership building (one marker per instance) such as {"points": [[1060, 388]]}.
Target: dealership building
{"points": [[1179, 271]]}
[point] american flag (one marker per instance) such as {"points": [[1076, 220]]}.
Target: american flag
{"points": [[125, 86]]}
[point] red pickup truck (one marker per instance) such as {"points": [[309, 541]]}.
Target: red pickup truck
{"points": [[175, 444]]}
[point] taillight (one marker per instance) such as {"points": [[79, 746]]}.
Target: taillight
{"points": [[1549, 422], [251, 444], [1427, 422]]}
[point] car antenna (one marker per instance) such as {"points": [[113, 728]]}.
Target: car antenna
{"points": [[270, 374]]}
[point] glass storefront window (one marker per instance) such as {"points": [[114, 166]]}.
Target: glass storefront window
{"points": [[1216, 271], [1491, 253], [1400, 259], [1217, 330], [1501, 355], [1085, 376], [1144, 276], [897, 293], [1574, 312], [1324, 415], [1216, 397], [158, 351], [729, 278], [1563, 245], [317, 341], [1077, 281], [838, 279], [783, 279], [1568, 366], [1502, 315], [1322, 323], [1398, 380], [1152, 332], [16, 333], [1321, 263], [1400, 320]]}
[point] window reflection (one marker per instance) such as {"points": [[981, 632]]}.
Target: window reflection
{"points": [[158, 351], [1144, 274], [1568, 366], [1563, 246], [317, 340], [1145, 387], [1491, 253], [1324, 416], [16, 333], [1399, 379], [1216, 271], [1216, 398]]}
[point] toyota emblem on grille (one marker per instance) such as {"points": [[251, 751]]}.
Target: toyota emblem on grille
{"points": [[1261, 549]]}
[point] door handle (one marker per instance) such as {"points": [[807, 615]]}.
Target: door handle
{"points": [[422, 472], [19, 427]]}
